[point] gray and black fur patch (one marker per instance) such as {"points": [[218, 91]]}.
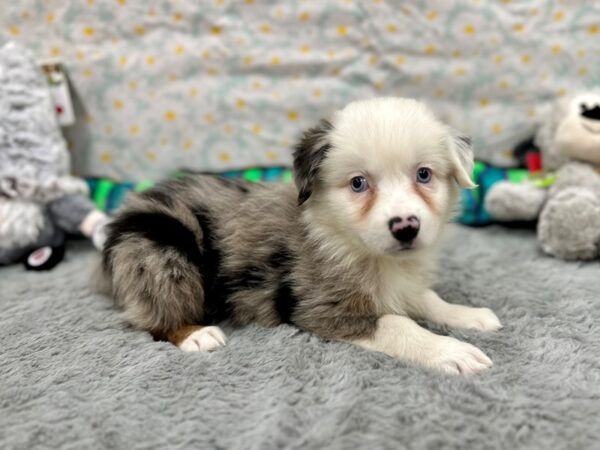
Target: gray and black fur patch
{"points": [[309, 153]]}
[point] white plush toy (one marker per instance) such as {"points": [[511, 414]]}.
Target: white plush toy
{"points": [[568, 212]]}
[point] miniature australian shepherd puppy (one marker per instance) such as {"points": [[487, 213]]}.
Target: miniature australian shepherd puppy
{"points": [[347, 253]]}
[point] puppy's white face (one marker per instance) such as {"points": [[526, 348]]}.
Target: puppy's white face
{"points": [[386, 181]]}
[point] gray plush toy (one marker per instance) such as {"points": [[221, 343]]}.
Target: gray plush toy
{"points": [[568, 212], [40, 201]]}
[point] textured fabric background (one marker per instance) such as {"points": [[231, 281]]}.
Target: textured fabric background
{"points": [[224, 84], [73, 375]]}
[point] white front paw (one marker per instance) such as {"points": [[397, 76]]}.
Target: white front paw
{"points": [[482, 319], [206, 339], [456, 358]]}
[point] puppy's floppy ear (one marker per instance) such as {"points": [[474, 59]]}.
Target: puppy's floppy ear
{"points": [[309, 153], [461, 153]]}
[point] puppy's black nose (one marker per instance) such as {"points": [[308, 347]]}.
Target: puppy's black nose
{"points": [[404, 229]]}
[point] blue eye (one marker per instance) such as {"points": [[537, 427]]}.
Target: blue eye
{"points": [[424, 175], [359, 184]]}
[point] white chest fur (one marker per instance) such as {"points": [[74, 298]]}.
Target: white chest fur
{"points": [[399, 283]]}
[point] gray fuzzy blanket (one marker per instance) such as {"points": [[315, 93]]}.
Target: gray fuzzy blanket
{"points": [[74, 375]]}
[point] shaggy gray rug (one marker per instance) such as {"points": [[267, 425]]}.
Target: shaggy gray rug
{"points": [[73, 375]]}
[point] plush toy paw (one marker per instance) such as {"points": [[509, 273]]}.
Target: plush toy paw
{"points": [[569, 225], [508, 201]]}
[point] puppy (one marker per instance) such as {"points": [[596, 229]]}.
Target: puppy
{"points": [[347, 253]]}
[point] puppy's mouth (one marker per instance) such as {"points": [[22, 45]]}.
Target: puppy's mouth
{"points": [[404, 247]]}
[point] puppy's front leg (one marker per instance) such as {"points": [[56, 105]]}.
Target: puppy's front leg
{"points": [[431, 307], [404, 339]]}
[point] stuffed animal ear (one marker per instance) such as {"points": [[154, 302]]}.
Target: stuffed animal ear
{"points": [[309, 153], [461, 153]]}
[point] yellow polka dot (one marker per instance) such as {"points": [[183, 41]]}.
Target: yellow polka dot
{"points": [[304, 16], [265, 28], [228, 129], [150, 60], [519, 28], [430, 50], [193, 92], [179, 50], [581, 53], [379, 85], [177, 17], [556, 49], [562, 92], [503, 84], [305, 49], [90, 2], [525, 59], [134, 129], [187, 145], [292, 115], [256, 84], [247, 60], [469, 29], [535, 11], [483, 102], [132, 85], [205, 54], [55, 51], [224, 156], [122, 2], [151, 155], [558, 16], [432, 15], [240, 103], [459, 71], [498, 59], [216, 30], [172, 77], [582, 72], [392, 28], [272, 156], [593, 29], [139, 30], [406, 11], [249, 2], [87, 72], [212, 71], [531, 112], [118, 103], [335, 71], [400, 60], [342, 30], [275, 60], [105, 156], [170, 116], [89, 31], [108, 130], [25, 15], [209, 118], [497, 128], [79, 55], [122, 60], [256, 129], [88, 118], [456, 54], [330, 54], [50, 17], [317, 92], [439, 92]]}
